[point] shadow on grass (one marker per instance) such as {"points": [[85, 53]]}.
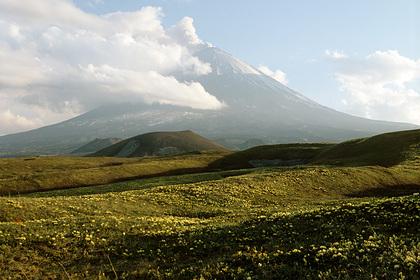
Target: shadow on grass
{"points": [[145, 182], [276, 248]]}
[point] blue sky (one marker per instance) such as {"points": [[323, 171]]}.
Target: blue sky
{"points": [[294, 35]]}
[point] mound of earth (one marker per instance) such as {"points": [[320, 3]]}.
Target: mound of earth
{"points": [[161, 144]]}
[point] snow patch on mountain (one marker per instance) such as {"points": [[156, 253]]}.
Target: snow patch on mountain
{"points": [[224, 63]]}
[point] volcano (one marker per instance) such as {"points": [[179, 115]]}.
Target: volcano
{"points": [[258, 109]]}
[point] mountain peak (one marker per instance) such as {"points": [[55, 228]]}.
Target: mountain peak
{"points": [[224, 63]]}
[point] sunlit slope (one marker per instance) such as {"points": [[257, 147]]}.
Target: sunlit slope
{"points": [[328, 222], [22, 175], [266, 225], [261, 190]]}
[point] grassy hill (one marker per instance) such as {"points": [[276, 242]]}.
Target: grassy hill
{"points": [[23, 175], [95, 145], [161, 143], [281, 154], [385, 150]]}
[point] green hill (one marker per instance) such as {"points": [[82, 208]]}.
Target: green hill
{"points": [[385, 150], [271, 155], [23, 175], [161, 144]]}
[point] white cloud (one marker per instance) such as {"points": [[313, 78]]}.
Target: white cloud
{"points": [[335, 54], [11, 123], [184, 32], [18, 67], [277, 74], [48, 12], [149, 86], [381, 85], [57, 60], [16, 116]]}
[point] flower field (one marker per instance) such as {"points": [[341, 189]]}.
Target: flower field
{"points": [[353, 215], [261, 224]]}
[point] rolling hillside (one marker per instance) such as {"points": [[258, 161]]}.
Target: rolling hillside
{"points": [[271, 155], [36, 174], [268, 224], [310, 222], [22, 175], [161, 144], [384, 150]]}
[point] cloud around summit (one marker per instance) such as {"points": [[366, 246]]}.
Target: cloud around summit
{"points": [[59, 61]]}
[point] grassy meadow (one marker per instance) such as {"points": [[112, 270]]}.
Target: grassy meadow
{"points": [[355, 216], [31, 174]]}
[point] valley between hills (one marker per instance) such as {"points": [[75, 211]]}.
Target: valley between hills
{"points": [[289, 211]]}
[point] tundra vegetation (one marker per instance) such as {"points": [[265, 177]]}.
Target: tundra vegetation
{"points": [[347, 213]]}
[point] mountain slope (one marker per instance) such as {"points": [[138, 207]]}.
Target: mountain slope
{"points": [[257, 107], [95, 145], [160, 143]]}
